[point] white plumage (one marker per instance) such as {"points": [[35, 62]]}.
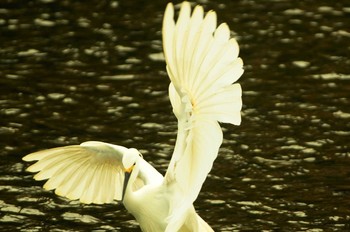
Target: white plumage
{"points": [[202, 63]]}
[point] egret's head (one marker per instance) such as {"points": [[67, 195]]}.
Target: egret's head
{"points": [[129, 161]]}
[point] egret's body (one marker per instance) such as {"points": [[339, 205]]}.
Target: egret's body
{"points": [[152, 216], [202, 63]]}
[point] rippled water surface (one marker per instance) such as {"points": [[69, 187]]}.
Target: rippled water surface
{"points": [[72, 71]]}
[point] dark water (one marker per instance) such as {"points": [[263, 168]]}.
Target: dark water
{"points": [[72, 71]]}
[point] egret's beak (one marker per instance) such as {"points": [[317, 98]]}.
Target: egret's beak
{"points": [[127, 175]]}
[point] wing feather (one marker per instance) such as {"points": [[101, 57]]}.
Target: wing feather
{"points": [[78, 183], [91, 172], [202, 64]]}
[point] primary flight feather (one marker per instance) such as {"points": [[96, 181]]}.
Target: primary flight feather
{"points": [[202, 64]]}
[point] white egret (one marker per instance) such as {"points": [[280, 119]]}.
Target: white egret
{"points": [[203, 64]]}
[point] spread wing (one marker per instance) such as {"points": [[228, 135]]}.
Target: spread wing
{"points": [[202, 63], [91, 172]]}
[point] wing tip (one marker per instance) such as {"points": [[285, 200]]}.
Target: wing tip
{"points": [[32, 156]]}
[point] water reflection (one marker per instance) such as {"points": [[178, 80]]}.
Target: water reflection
{"points": [[71, 72]]}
